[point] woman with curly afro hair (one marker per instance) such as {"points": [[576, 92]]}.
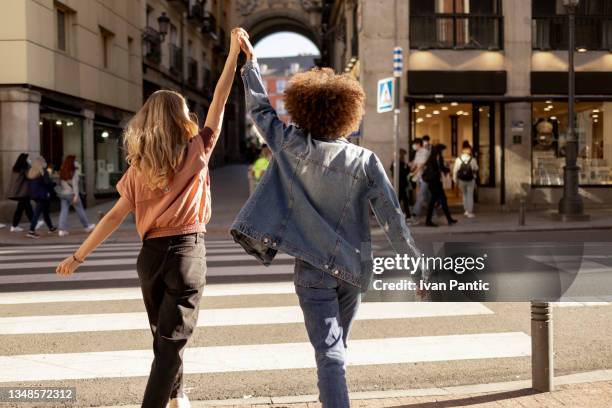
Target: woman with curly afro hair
{"points": [[313, 203]]}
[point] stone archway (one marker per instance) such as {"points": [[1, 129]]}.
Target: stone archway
{"points": [[264, 17]]}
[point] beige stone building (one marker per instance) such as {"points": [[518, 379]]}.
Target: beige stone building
{"points": [[494, 73], [75, 71]]}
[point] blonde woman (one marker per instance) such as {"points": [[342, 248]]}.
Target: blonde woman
{"points": [[40, 188], [168, 188]]}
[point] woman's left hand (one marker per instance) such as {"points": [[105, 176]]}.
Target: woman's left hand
{"points": [[67, 266], [75, 199]]}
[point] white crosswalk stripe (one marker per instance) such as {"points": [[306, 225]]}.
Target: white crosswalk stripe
{"points": [[225, 317], [23, 266], [282, 356]]}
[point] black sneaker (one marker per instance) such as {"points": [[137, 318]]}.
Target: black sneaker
{"points": [[32, 234], [431, 224], [52, 230], [452, 221]]}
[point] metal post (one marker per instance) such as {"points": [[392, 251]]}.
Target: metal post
{"points": [[522, 211], [571, 202], [542, 368], [397, 73]]}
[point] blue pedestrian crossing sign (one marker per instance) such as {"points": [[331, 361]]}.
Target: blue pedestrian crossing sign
{"points": [[385, 95]]}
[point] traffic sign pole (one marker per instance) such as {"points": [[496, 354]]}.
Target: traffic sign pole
{"points": [[397, 74]]}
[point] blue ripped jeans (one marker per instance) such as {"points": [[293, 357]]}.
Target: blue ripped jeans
{"points": [[329, 306]]}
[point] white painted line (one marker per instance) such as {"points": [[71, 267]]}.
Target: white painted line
{"points": [[226, 317], [249, 270], [52, 264], [105, 294], [580, 304], [9, 249], [62, 255], [254, 357], [212, 255]]}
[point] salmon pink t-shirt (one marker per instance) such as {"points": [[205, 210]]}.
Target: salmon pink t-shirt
{"points": [[184, 207]]}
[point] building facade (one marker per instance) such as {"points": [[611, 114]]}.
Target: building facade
{"points": [[494, 73], [79, 69], [276, 72]]}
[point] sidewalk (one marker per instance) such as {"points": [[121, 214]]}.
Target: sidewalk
{"points": [[230, 191], [580, 390]]}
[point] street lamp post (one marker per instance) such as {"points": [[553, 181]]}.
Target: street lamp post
{"points": [[570, 206]]}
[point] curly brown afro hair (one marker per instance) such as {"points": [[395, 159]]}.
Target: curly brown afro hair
{"points": [[327, 105]]}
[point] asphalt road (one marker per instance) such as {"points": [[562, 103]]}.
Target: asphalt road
{"points": [[90, 331]]}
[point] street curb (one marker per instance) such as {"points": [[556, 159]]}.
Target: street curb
{"points": [[576, 378]]}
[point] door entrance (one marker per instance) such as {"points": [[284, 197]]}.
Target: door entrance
{"points": [[454, 124]]}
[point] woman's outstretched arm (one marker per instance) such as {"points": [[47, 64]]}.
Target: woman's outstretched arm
{"points": [[214, 118], [103, 230]]}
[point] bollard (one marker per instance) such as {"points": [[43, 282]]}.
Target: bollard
{"points": [[522, 211], [542, 367]]}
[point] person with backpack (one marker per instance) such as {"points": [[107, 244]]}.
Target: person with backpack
{"points": [[40, 189], [69, 196], [432, 175], [465, 171]]}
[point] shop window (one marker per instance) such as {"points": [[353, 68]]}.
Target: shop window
{"points": [[60, 135], [109, 158], [594, 132], [452, 124]]}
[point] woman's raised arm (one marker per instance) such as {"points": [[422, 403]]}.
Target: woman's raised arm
{"points": [[214, 118]]}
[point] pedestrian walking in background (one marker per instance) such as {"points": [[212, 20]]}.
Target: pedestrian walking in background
{"points": [[40, 189], [314, 205], [418, 164], [404, 182], [261, 164], [167, 186], [432, 175], [18, 191], [69, 196], [465, 171]]}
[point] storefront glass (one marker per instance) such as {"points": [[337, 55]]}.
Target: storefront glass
{"points": [[454, 123], [60, 135], [594, 131], [110, 162]]}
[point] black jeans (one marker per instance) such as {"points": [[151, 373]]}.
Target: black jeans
{"points": [[172, 273], [437, 194], [42, 207], [23, 204]]}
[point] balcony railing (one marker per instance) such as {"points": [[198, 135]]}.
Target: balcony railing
{"points": [[192, 72], [456, 31], [151, 41], [592, 32], [176, 59], [209, 26]]}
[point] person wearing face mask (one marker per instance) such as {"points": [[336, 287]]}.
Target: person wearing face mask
{"points": [[69, 195]]}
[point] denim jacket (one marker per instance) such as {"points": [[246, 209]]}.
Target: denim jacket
{"points": [[314, 200]]}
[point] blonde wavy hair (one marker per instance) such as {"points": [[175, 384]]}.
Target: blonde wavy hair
{"points": [[37, 169], [156, 137]]}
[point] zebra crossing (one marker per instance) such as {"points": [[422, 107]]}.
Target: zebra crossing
{"points": [[55, 329]]}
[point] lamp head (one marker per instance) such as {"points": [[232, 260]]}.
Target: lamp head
{"points": [[164, 23]]}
